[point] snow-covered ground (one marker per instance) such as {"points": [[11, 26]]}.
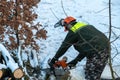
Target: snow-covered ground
{"points": [[94, 12]]}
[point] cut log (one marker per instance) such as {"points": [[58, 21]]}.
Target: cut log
{"points": [[10, 63], [1, 74], [18, 73], [2, 70]]}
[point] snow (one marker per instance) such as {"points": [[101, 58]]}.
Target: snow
{"points": [[19, 56], [2, 66], [12, 66], [33, 61], [8, 59], [107, 73], [77, 74], [93, 12]]}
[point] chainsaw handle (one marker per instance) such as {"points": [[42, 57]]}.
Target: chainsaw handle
{"points": [[61, 63]]}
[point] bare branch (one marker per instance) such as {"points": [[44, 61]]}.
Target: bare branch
{"points": [[102, 10], [63, 8], [54, 14], [111, 26], [110, 31], [115, 39], [117, 52]]}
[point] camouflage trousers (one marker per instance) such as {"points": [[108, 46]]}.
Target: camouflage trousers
{"points": [[95, 65]]}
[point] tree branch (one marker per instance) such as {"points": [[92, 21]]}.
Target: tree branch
{"points": [[110, 31]]}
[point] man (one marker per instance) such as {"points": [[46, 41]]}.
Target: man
{"points": [[89, 42]]}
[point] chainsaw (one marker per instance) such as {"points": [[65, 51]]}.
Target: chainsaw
{"points": [[60, 71]]}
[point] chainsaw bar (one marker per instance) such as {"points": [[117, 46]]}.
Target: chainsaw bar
{"points": [[57, 71]]}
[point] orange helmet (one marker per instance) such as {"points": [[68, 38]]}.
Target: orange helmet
{"points": [[69, 19], [65, 22]]}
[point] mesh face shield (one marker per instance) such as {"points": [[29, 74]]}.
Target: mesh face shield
{"points": [[59, 23]]}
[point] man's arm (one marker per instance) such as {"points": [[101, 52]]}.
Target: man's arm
{"points": [[70, 39], [76, 60]]}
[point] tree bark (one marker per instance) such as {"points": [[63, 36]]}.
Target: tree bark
{"points": [[110, 29]]}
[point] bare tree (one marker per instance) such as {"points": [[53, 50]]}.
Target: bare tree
{"points": [[17, 27], [110, 63], [116, 37]]}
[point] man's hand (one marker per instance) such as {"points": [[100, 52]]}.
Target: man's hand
{"points": [[72, 64], [51, 63]]}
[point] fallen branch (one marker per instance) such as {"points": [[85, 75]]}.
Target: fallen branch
{"points": [[10, 63], [4, 71]]}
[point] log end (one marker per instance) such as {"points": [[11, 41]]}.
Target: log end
{"points": [[18, 73], [1, 74]]}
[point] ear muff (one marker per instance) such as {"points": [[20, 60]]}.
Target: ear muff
{"points": [[65, 26]]}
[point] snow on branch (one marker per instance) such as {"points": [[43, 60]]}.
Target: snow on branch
{"points": [[8, 59], [10, 63]]}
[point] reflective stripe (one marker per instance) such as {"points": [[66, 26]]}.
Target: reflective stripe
{"points": [[77, 26]]}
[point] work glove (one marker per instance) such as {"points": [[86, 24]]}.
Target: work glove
{"points": [[51, 63], [72, 64]]}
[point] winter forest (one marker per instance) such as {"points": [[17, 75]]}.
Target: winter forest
{"points": [[28, 38]]}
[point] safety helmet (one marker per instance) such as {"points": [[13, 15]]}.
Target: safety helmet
{"points": [[65, 22], [69, 19]]}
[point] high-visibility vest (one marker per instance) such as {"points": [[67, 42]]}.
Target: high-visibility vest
{"points": [[78, 26]]}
